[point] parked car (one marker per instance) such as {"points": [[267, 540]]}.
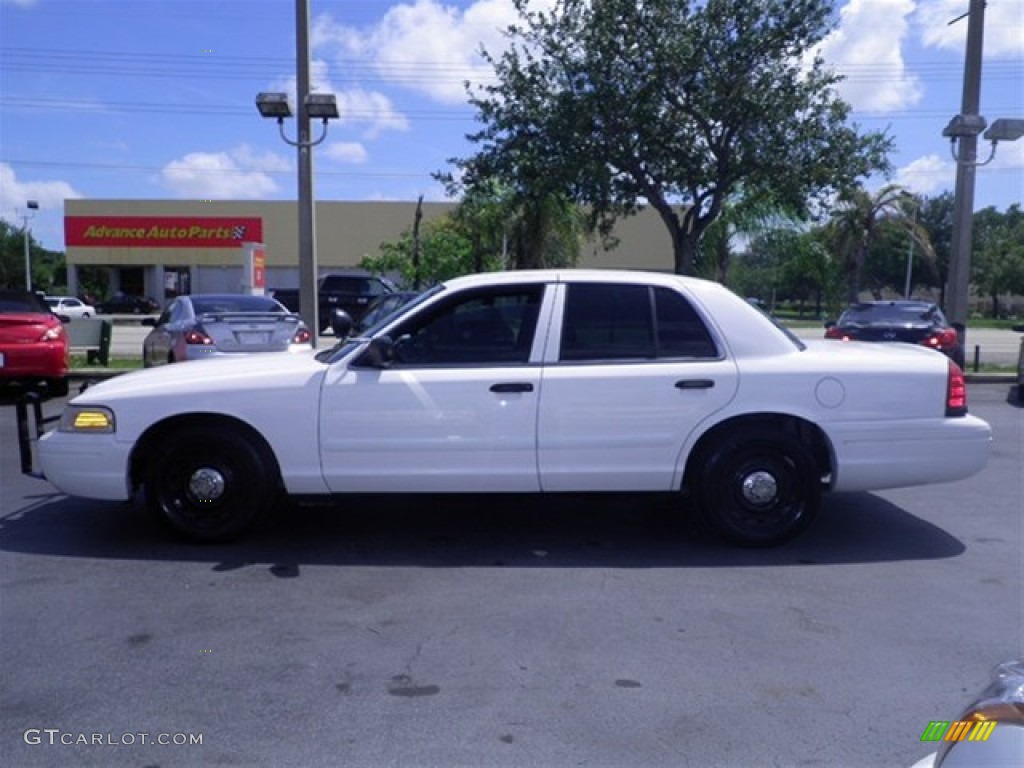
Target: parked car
{"points": [[350, 291], [201, 325], [526, 382], [127, 304], [380, 308], [914, 322], [33, 344], [69, 306]]}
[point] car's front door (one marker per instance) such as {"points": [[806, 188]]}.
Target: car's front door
{"points": [[456, 410], [633, 369]]}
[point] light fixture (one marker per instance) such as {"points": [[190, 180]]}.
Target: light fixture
{"points": [[273, 105], [1005, 129], [321, 106]]}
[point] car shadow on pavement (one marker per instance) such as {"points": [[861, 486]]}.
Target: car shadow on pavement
{"points": [[476, 531]]}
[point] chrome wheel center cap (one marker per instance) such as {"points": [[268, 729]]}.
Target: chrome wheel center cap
{"points": [[760, 487], [206, 484]]}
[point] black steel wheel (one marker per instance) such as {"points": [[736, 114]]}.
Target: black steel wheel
{"points": [[758, 488], [209, 483]]}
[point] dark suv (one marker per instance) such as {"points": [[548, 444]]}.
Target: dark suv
{"points": [[351, 291]]}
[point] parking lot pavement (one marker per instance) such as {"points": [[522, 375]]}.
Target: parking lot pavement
{"points": [[505, 631]]}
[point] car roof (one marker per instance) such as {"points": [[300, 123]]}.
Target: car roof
{"points": [[899, 303], [576, 275]]}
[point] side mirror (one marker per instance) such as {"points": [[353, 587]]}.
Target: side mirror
{"points": [[379, 353], [341, 323], [149, 321]]}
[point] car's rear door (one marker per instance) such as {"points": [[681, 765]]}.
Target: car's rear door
{"points": [[631, 369], [456, 410]]}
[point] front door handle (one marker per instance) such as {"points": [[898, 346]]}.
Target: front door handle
{"points": [[695, 384], [512, 386]]}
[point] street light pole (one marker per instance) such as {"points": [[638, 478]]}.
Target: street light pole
{"points": [[320, 106], [31, 205], [308, 269], [963, 196]]}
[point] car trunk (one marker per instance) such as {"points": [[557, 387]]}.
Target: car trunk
{"points": [[912, 334], [249, 331]]}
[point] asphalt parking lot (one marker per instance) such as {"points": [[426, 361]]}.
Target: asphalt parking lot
{"points": [[507, 631]]}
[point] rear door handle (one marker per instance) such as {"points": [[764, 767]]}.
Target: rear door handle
{"points": [[512, 386], [695, 384]]}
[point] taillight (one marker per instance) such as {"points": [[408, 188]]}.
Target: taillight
{"points": [[956, 391], [302, 336], [834, 332], [197, 337], [944, 339], [53, 333]]}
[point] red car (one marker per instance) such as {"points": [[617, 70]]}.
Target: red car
{"points": [[33, 344]]}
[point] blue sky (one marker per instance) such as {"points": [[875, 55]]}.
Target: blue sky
{"points": [[154, 99]]}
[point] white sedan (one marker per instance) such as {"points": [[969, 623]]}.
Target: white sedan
{"points": [[549, 381], [69, 306]]}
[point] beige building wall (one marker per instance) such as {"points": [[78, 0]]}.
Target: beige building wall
{"points": [[346, 232]]}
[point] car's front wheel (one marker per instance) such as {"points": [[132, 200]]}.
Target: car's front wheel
{"points": [[209, 483], [758, 488]]}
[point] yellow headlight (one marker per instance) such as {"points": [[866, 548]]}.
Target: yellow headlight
{"points": [[82, 418]]}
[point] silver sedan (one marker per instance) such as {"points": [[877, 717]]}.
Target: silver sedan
{"points": [[204, 325]]}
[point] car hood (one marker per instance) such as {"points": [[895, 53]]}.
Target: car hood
{"points": [[231, 375]]}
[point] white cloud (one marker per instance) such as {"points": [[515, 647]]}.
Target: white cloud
{"points": [[1003, 33], [14, 194], [356, 106], [927, 175], [867, 48], [425, 46], [350, 153], [240, 173]]}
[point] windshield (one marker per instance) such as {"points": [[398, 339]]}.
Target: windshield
{"points": [[345, 346], [891, 314]]}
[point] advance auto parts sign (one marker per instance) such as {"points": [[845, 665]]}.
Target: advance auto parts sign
{"points": [[162, 231]]}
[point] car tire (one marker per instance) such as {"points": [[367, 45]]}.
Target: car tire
{"points": [[758, 488], [210, 484]]}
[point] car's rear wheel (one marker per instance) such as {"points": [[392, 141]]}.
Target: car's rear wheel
{"points": [[758, 488], [210, 484]]}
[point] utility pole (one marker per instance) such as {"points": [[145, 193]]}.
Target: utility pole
{"points": [[965, 129], [308, 297]]}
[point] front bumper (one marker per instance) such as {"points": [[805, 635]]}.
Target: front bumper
{"points": [[90, 466]]}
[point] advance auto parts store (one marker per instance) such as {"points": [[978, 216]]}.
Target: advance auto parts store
{"points": [[163, 248]]}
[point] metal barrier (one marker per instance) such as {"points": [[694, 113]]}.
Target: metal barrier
{"points": [[25, 434]]}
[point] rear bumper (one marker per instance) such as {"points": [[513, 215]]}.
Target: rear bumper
{"points": [[874, 456], [26, 362]]}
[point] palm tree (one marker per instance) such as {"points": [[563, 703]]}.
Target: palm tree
{"points": [[857, 223]]}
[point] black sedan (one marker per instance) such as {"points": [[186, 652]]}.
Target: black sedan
{"points": [[913, 322], [127, 304]]}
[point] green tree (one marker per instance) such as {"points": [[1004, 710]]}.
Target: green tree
{"points": [[445, 252], [859, 221], [674, 104], [529, 228], [997, 264], [48, 267], [936, 217]]}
